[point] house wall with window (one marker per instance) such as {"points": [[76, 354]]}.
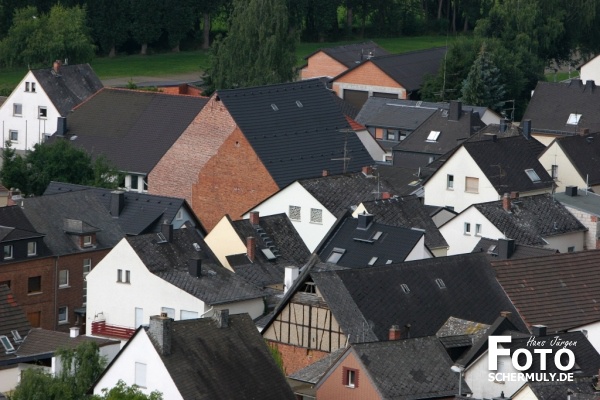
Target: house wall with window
{"points": [[337, 384], [453, 185], [477, 377], [566, 173], [567, 243], [465, 230], [38, 116]]}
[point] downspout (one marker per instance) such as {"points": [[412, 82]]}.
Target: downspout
{"points": [[206, 312], [56, 293]]}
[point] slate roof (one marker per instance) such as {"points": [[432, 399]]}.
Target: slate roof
{"points": [[48, 214], [43, 342], [583, 152], [240, 366], [588, 202], [141, 213], [352, 54], [581, 388], [407, 212], [552, 103], [404, 181], [504, 163], [558, 290], [14, 225], [490, 247], [295, 129], [12, 317], [133, 129], [70, 87], [315, 371], [424, 372], [376, 295], [532, 218], [170, 262]]}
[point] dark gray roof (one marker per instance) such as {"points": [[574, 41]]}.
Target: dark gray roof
{"points": [[133, 129], [14, 225], [170, 262], [366, 302], [405, 181], [294, 128], [46, 342], [531, 219], [588, 202], [315, 371], [581, 388], [70, 87], [552, 103], [505, 160], [583, 151], [424, 372], [407, 212], [490, 247], [208, 362], [352, 54], [12, 317], [141, 212], [48, 215]]}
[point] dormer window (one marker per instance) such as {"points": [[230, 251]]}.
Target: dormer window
{"points": [[8, 252], [31, 248], [573, 119], [87, 240], [433, 136], [535, 178]]}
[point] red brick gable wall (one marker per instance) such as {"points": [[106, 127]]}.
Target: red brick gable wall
{"points": [[177, 171], [366, 74], [333, 387], [231, 182], [295, 358], [320, 64]]}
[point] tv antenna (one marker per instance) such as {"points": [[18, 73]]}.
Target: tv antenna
{"points": [[345, 158]]}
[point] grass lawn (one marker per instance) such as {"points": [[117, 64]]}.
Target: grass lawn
{"points": [[165, 64]]}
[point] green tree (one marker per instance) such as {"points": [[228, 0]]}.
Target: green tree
{"points": [[259, 48], [146, 21], [123, 392], [178, 20], [109, 21], [483, 86]]}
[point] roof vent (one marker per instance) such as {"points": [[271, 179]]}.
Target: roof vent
{"points": [[440, 283], [196, 246], [405, 288], [299, 104], [274, 107]]}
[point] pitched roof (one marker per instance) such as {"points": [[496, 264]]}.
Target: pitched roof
{"points": [[558, 290], [490, 247], [296, 129], [313, 372], [352, 54], [70, 87], [531, 219], [407, 212], [580, 388], [552, 104], [48, 214], [239, 367], [14, 225], [133, 129], [583, 151], [170, 262], [586, 201], [405, 181], [378, 244], [505, 160], [45, 342], [377, 295], [12, 318], [140, 213]]}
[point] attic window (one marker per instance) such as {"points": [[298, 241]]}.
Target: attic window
{"points": [[405, 288], [440, 283], [16, 336], [388, 262], [377, 235], [7, 344], [274, 107], [433, 136], [373, 260], [491, 249], [161, 237], [532, 175], [269, 254], [299, 104], [335, 255], [573, 119]]}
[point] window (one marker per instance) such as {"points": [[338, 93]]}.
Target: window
{"points": [[478, 229], [87, 240], [335, 255], [533, 175], [8, 347], [440, 283], [119, 275], [127, 276], [392, 135], [373, 260], [405, 288], [140, 374], [294, 213], [8, 252], [316, 216], [179, 215], [31, 248], [573, 119], [7, 283], [134, 182], [554, 172], [33, 87], [63, 315], [42, 112], [350, 377], [27, 86], [63, 278], [87, 266], [570, 249], [450, 182], [34, 284], [17, 110], [471, 185], [14, 136], [467, 228], [433, 136]]}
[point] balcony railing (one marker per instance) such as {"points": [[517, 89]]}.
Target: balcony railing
{"points": [[103, 329]]}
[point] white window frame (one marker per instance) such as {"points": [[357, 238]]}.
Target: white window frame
{"points": [[31, 249], [33, 87], [467, 228], [351, 377], [14, 132], [179, 215], [433, 136], [8, 347], [11, 254], [573, 119], [20, 111], [87, 241], [450, 182], [40, 109], [535, 178], [87, 266], [140, 374], [63, 278], [477, 229], [120, 275], [27, 86], [66, 315]]}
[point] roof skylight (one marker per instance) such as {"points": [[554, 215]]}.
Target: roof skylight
{"points": [[535, 178], [7, 344], [405, 288], [335, 255], [573, 119], [433, 136], [373, 260], [440, 283]]}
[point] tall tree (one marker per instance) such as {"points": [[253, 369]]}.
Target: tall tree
{"points": [[258, 49], [146, 22], [483, 86], [109, 21], [178, 20]]}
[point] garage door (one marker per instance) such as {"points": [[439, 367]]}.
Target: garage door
{"points": [[356, 97]]}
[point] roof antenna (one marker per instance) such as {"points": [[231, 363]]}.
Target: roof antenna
{"points": [[345, 159]]}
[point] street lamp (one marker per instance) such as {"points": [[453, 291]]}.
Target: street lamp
{"points": [[459, 369]]}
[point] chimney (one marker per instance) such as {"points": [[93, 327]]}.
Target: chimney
{"points": [[325, 173], [167, 230], [251, 247], [254, 217], [385, 195], [503, 125], [514, 195], [183, 88], [222, 318], [56, 66], [368, 170], [394, 333], [455, 110], [291, 274], [195, 267], [538, 330], [526, 128], [571, 191], [74, 331], [117, 201], [506, 248], [61, 126], [506, 202], [160, 332], [589, 86], [505, 314], [364, 221]]}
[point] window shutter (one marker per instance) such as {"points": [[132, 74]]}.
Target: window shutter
{"points": [[472, 185], [344, 376]]}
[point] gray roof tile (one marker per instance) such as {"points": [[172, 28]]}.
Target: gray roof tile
{"points": [[351, 54]]}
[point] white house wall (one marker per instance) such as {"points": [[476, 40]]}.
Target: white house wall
{"points": [[419, 252], [10, 377], [140, 350], [477, 377], [31, 128], [460, 242], [567, 175], [588, 220], [525, 393], [592, 331], [296, 195], [224, 241], [590, 71], [563, 242], [374, 148]]}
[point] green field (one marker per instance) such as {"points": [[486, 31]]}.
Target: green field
{"points": [[165, 64]]}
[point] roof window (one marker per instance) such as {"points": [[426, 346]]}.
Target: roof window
{"points": [[335, 255], [7, 344], [274, 107], [373, 260], [535, 178], [433, 136], [405, 288], [573, 119], [440, 283], [377, 235], [299, 104]]}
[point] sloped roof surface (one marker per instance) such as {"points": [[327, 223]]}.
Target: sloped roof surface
{"points": [[352, 54], [581, 388], [560, 291], [552, 103], [170, 261], [588, 202], [531, 219], [133, 129], [405, 181], [490, 247], [70, 87], [12, 317], [296, 130], [14, 225], [584, 153], [504, 163], [375, 295], [315, 371], [43, 341], [207, 362]]}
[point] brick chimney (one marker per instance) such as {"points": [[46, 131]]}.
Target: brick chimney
{"points": [[506, 202], [455, 110], [160, 331], [538, 330], [394, 333], [222, 318], [56, 66], [385, 195], [368, 170], [251, 247], [254, 217], [325, 173]]}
